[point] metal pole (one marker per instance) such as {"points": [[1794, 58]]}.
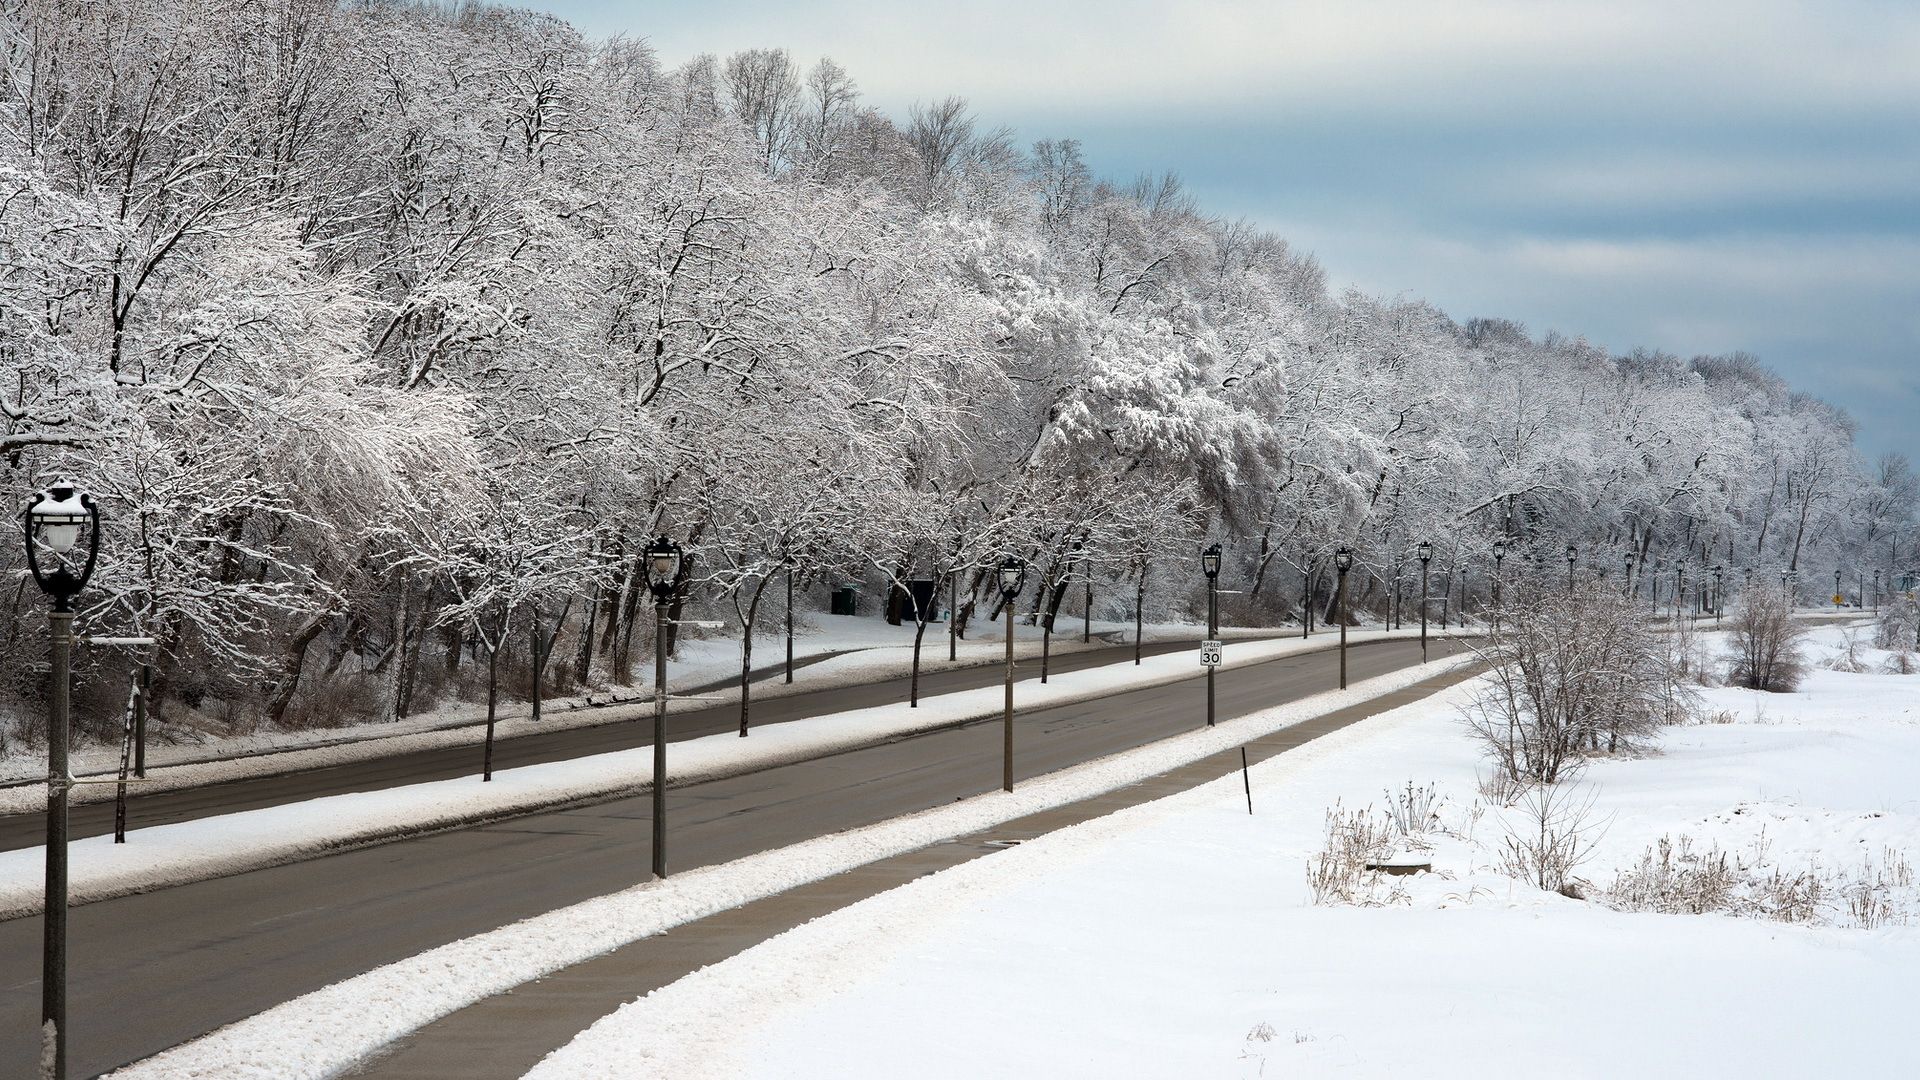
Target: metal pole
{"points": [[660, 737], [1306, 598], [1245, 779], [789, 623], [1423, 610], [953, 624], [1046, 639], [1340, 605], [1139, 602], [1213, 634], [53, 974], [140, 722], [1086, 627], [1006, 768]]}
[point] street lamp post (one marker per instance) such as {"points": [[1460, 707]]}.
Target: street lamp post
{"points": [[1876, 592], [1342, 562], [1679, 590], [788, 560], [1011, 573], [663, 571], [1626, 580], [1786, 593], [1086, 615], [1838, 596], [1049, 596], [1499, 557], [54, 519], [1719, 591], [1210, 566], [1425, 551], [1573, 556]]}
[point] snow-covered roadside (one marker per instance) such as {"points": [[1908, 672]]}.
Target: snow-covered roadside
{"points": [[325, 1032], [183, 766], [187, 851], [1178, 938]]}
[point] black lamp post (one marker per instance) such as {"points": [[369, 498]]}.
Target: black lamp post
{"points": [[1786, 591], [1573, 556], [1011, 575], [1499, 557], [1719, 591], [1342, 562], [1425, 551], [663, 571], [1839, 598], [55, 520], [1086, 613], [1876, 591], [1626, 581], [1210, 566]]}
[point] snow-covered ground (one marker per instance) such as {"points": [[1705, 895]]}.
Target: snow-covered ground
{"points": [[1179, 938], [175, 854], [327, 1031], [870, 651]]}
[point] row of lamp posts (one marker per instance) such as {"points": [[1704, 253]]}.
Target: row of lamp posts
{"points": [[56, 520]]}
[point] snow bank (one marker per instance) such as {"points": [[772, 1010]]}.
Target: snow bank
{"points": [[1177, 938], [326, 1032]]}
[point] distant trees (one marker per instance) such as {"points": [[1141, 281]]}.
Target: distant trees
{"points": [[377, 326]]}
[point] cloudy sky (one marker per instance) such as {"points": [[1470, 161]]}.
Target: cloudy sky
{"points": [[1697, 177]]}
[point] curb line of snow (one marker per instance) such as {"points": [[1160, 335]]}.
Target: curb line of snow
{"points": [[329, 1030], [201, 849]]}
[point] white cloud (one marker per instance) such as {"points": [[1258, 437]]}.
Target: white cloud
{"points": [[1397, 56]]}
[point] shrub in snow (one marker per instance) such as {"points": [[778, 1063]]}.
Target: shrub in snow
{"points": [[1765, 644], [1899, 626], [1673, 877], [1572, 673], [1338, 873], [1848, 658], [1414, 810], [1555, 833]]}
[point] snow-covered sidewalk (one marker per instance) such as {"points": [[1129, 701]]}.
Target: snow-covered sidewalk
{"points": [[1179, 939], [189, 851], [326, 1032]]}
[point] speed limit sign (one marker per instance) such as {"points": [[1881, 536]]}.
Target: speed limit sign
{"points": [[1210, 654]]}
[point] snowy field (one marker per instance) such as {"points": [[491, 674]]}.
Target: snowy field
{"points": [[1180, 938]]}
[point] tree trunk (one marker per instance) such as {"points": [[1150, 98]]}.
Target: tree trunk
{"points": [[295, 661], [396, 683]]}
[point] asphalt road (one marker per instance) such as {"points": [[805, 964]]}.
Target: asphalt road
{"points": [[165, 808], [153, 970]]}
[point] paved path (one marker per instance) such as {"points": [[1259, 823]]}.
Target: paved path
{"points": [[150, 971]]}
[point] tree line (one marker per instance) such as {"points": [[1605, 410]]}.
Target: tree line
{"points": [[387, 335]]}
